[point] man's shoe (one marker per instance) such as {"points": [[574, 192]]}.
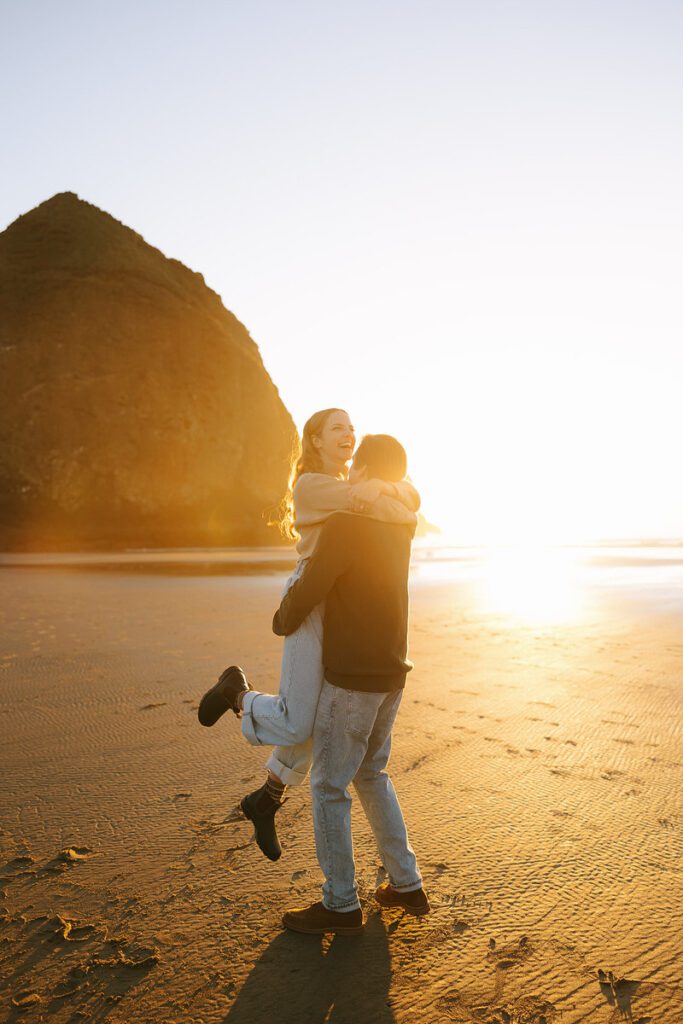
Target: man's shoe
{"points": [[223, 696], [261, 810], [414, 902], [317, 920]]}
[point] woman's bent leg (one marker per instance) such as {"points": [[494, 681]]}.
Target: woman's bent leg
{"points": [[286, 720]]}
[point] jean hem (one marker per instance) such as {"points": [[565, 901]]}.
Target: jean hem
{"points": [[409, 887], [290, 776]]}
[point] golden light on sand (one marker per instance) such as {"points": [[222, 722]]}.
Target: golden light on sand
{"points": [[536, 584]]}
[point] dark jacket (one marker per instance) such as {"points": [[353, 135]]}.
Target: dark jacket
{"points": [[360, 569]]}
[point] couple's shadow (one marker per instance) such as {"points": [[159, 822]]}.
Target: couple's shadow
{"points": [[300, 981]]}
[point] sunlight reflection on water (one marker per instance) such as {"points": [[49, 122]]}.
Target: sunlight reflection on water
{"points": [[534, 585], [548, 585]]}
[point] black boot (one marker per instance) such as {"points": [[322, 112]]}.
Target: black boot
{"points": [[261, 807], [223, 696]]}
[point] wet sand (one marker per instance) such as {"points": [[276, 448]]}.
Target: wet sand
{"points": [[539, 768]]}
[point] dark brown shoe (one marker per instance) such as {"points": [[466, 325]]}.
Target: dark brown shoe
{"points": [[317, 920], [414, 902], [223, 696]]}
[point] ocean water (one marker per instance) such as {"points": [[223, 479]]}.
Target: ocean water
{"points": [[535, 584], [553, 583]]}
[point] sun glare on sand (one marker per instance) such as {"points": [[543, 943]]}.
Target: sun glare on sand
{"points": [[536, 584]]}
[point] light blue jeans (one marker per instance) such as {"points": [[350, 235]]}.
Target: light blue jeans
{"points": [[352, 743], [286, 720]]}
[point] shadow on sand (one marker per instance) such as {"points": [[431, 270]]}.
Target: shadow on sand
{"points": [[299, 979]]}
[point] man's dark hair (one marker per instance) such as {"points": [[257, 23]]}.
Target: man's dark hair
{"points": [[384, 457]]}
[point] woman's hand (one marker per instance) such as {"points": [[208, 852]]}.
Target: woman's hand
{"points": [[365, 494]]}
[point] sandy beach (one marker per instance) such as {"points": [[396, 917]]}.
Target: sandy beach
{"points": [[538, 764]]}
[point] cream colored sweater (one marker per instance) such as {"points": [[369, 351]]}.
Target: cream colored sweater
{"points": [[316, 496]]}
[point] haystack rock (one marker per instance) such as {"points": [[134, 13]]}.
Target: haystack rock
{"points": [[135, 410]]}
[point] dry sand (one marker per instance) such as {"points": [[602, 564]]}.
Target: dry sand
{"points": [[538, 769]]}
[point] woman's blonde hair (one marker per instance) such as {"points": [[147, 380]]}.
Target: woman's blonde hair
{"points": [[305, 459]]}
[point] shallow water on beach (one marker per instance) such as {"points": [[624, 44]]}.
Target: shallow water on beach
{"points": [[529, 584]]}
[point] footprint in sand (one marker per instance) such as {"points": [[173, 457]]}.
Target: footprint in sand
{"points": [[70, 931], [417, 763], [510, 955], [25, 998], [530, 1009], [150, 707], [65, 989], [618, 992], [18, 867], [138, 961], [76, 854], [69, 858]]}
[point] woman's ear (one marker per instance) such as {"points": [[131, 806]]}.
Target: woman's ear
{"points": [[316, 441]]}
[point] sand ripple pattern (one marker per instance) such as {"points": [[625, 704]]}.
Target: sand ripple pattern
{"points": [[539, 771]]}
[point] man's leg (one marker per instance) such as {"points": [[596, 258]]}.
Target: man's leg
{"points": [[380, 803], [340, 737]]}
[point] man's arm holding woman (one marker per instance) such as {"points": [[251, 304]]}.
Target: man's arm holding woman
{"points": [[317, 496], [330, 559]]}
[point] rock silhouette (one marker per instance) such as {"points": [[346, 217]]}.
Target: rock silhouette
{"points": [[135, 410]]}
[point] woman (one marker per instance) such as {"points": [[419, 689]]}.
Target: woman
{"points": [[318, 488]]}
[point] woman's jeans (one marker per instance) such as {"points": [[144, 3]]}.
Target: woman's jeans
{"points": [[287, 720], [352, 743]]}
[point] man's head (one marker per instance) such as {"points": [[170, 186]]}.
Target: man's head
{"points": [[379, 456]]}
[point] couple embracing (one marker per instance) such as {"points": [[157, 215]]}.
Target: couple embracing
{"points": [[344, 617]]}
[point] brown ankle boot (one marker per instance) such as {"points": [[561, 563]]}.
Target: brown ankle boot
{"points": [[317, 920], [414, 902]]}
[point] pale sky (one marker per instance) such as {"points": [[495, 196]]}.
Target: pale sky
{"points": [[462, 222]]}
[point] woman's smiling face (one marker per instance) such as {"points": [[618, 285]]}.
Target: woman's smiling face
{"points": [[336, 441]]}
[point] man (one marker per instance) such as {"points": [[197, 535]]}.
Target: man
{"points": [[360, 569]]}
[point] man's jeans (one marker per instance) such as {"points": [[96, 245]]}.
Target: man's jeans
{"points": [[351, 743], [287, 719]]}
